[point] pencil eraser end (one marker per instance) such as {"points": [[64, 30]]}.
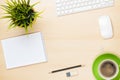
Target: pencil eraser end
{"points": [[72, 73]]}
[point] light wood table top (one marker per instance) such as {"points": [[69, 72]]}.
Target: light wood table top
{"points": [[69, 40]]}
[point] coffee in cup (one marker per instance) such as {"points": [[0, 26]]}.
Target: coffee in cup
{"points": [[108, 69]]}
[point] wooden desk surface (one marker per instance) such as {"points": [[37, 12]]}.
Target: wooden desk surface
{"points": [[69, 40]]}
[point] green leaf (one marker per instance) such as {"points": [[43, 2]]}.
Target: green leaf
{"points": [[32, 6], [28, 2], [6, 17], [12, 25]]}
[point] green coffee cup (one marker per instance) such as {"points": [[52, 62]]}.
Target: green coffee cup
{"points": [[106, 67]]}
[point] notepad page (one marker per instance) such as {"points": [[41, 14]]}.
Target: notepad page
{"points": [[24, 50]]}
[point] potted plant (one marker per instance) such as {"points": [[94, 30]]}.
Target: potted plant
{"points": [[20, 13]]}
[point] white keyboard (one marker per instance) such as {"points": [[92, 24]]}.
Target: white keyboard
{"points": [[65, 7]]}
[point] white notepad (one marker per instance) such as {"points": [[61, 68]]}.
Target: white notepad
{"points": [[24, 50]]}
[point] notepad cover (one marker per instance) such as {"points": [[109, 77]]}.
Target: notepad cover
{"points": [[24, 50]]}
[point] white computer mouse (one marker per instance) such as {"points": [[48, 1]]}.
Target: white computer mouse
{"points": [[106, 29]]}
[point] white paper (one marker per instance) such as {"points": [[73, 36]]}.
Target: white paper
{"points": [[24, 50]]}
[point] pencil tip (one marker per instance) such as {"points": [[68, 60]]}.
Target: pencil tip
{"points": [[83, 65], [49, 73]]}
